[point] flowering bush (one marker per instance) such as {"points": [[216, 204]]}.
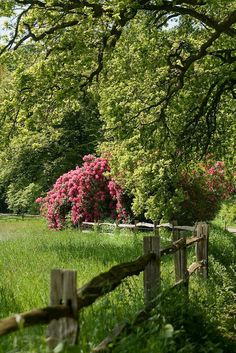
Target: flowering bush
{"points": [[205, 187], [84, 194]]}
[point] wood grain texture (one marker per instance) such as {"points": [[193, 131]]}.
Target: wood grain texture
{"points": [[202, 248], [33, 317], [152, 272], [63, 291]]}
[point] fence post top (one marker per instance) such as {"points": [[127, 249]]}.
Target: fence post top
{"points": [[202, 229]]}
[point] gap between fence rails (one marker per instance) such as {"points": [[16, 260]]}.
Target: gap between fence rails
{"points": [[108, 281]]}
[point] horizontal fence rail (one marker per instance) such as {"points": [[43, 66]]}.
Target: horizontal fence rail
{"points": [[63, 290], [137, 226], [34, 317]]}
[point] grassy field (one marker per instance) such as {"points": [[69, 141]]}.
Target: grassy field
{"points": [[28, 251]]}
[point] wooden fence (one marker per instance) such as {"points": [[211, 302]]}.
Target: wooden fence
{"points": [[137, 226], [66, 301]]}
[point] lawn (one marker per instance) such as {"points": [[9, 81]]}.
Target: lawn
{"points": [[28, 251]]}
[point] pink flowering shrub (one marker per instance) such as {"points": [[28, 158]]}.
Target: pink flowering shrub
{"points": [[84, 194], [205, 187]]}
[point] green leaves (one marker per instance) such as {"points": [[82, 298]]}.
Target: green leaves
{"points": [[157, 87], [6, 8], [23, 200]]}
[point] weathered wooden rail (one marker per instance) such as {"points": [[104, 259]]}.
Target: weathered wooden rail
{"points": [[137, 226], [67, 301]]}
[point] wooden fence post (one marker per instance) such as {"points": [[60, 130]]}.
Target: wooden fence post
{"points": [[97, 227], [177, 255], [80, 225], [63, 291], [202, 248], [183, 265], [180, 258], [117, 224], [152, 278]]}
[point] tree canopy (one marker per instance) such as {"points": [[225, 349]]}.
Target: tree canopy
{"points": [[159, 75]]}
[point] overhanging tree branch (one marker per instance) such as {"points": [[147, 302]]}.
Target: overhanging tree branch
{"points": [[31, 2], [52, 30], [12, 41], [180, 61], [178, 69], [169, 7]]}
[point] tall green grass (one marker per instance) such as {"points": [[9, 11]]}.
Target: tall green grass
{"points": [[27, 257], [227, 214], [204, 323], [31, 251]]}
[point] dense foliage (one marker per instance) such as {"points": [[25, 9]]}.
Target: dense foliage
{"points": [[40, 151], [158, 75], [89, 194], [162, 191], [84, 194], [22, 201], [205, 187]]}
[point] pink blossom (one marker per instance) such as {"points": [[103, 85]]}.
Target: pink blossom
{"points": [[84, 192]]}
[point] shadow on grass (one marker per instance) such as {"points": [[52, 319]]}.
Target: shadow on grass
{"points": [[193, 325], [176, 325]]}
